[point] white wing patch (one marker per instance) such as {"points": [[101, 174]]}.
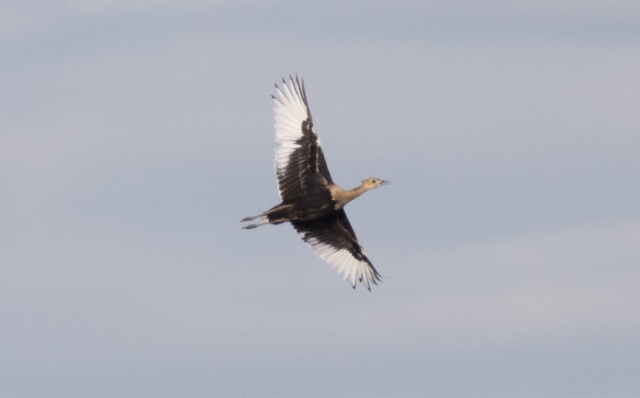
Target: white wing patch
{"points": [[290, 112], [342, 260]]}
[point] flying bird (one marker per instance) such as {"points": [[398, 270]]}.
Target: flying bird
{"points": [[311, 201]]}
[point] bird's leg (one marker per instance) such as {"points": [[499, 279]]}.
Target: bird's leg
{"points": [[250, 218], [265, 221], [251, 226], [265, 213]]}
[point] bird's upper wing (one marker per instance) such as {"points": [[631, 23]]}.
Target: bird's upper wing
{"points": [[300, 164], [333, 239]]}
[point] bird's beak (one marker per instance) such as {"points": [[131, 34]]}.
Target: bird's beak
{"points": [[385, 182]]}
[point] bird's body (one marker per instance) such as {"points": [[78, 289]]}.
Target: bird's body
{"points": [[311, 201]]}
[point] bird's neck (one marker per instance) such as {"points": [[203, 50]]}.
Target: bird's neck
{"points": [[343, 197]]}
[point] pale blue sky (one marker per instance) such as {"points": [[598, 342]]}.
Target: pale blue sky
{"points": [[134, 135]]}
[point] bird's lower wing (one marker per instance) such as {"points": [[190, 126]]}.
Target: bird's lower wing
{"points": [[332, 238]]}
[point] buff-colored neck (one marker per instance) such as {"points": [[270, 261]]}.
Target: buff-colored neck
{"points": [[343, 197]]}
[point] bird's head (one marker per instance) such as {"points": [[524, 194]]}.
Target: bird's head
{"points": [[371, 183]]}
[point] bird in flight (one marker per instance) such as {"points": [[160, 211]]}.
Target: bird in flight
{"points": [[311, 202]]}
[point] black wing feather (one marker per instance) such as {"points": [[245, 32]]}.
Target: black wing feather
{"points": [[306, 168], [334, 240]]}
